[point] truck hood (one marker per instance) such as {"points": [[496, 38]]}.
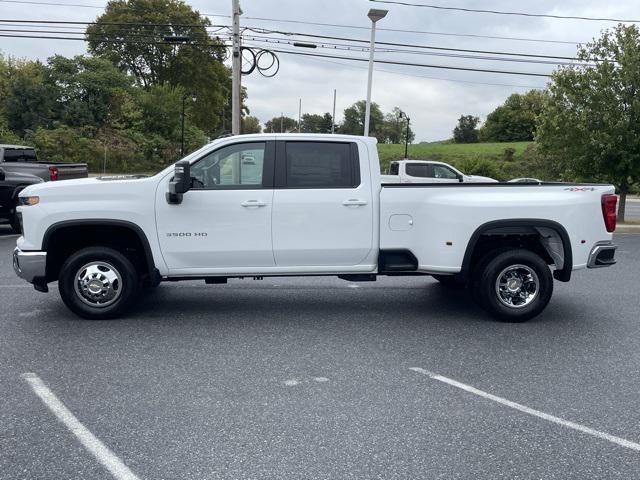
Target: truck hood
{"points": [[81, 183]]}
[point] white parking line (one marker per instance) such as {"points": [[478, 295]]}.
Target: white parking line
{"points": [[88, 440], [530, 411]]}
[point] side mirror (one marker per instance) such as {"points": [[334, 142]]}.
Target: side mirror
{"points": [[181, 182], [460, 178], [2, 175]]}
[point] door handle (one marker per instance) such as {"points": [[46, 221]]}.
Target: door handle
{"points": [[253, 203], [354, 202]]}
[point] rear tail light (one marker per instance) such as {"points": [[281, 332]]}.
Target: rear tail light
{"points": [[609, 209], [53, 173]]}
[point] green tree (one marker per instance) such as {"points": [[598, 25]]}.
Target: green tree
{"points": [[30, 101], [591, 121], [251, 125], [132, 35], [315, 123], [394, 128], [466, 131], [84, 88], [353, 123], [515, 121], [281, 125]]}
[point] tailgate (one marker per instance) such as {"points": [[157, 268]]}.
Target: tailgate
{"points": [[68, 171]]}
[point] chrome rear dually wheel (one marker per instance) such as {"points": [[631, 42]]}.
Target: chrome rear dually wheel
{"points": [[513, 285]]}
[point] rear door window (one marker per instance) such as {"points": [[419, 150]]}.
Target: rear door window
{"points": [[320, 165], [423, 170]]}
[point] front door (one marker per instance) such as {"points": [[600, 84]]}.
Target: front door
{"points": [[224, 222]]}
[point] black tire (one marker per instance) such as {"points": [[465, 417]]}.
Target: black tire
{"points": [[530, 290], [13, 220], [449, 281], [106, 263], [15, 224]]}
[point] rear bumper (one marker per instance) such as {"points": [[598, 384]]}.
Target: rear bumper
{"points": [[602, 255], [30, 266]]}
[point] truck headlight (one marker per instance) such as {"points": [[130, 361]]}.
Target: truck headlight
{"points": [[26, 201]]}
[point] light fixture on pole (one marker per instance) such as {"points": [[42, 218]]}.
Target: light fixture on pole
{"points": [[374, 15], [406, 137]]}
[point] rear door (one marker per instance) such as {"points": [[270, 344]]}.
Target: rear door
{"points": [[418, 172], [322, 204]]}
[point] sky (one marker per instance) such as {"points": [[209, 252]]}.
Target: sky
{"points": [[433, 98]]}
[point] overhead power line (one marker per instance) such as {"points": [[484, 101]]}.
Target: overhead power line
{"points": [[108, 40], [53, 4], [410, 64], [425, 32], [415, 75], [501, 12], [262, 30], [348, 47], [411, 45], [300, 22]]}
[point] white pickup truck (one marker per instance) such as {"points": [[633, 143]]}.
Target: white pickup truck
{"points": [[429, 171], [298, 204]]}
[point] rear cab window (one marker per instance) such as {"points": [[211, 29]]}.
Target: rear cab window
{"points": [[19, 155], [302, 164]]}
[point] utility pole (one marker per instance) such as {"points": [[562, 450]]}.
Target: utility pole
{"points": [[299, 113], [333, 115], [236, 70], [281, 122]]}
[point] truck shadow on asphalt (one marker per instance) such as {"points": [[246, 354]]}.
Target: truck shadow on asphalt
{"points": [[425, 302]]}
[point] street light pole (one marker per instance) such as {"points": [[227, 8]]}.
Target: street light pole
{"points": [[333, 115], [406, 137], [236, 69], [184, 98], [374, 15]]}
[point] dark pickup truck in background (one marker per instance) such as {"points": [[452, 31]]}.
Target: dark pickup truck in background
{"points": [[21, 159], [11, 184]]}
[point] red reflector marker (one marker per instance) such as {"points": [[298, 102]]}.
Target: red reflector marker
{"points": [[609, 209]]}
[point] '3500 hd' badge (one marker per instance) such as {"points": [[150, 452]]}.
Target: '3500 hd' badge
{"points": [[187, 234]]}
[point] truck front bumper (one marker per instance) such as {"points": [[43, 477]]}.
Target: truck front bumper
{"points": [[30, 266], [602, 255]]}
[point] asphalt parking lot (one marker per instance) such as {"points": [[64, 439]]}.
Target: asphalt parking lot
{"points": [[320, 378]]}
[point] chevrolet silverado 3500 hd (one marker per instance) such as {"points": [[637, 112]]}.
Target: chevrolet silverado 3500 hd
{"points": [[302, 204]]}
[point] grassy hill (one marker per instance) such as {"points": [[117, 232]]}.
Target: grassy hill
{"points": [[498, 160]]}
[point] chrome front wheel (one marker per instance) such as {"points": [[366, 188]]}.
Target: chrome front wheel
{"points": [[98, 284]]}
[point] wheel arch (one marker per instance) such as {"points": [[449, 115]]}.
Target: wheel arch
{"points": [[85, 225], [517, 228]]}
